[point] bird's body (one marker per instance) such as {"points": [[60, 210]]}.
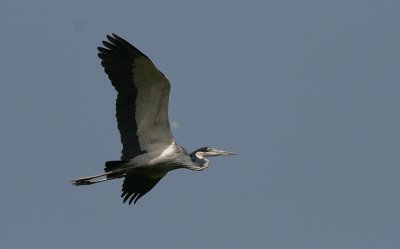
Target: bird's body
{"points": [[149, 151]]}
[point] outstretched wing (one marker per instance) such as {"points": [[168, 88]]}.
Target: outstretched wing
{"points": [[142, 101], [135, 186]]}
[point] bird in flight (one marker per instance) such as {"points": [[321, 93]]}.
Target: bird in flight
{"points": [[149, 150]]}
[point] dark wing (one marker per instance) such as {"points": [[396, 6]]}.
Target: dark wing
{"points": [[142, 101], [135, 186]]}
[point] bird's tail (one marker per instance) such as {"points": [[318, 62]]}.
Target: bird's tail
{"points": [[113, 168], [113, 165]]}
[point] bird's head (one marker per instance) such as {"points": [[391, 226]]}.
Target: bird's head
{"points": [[210, 152]]}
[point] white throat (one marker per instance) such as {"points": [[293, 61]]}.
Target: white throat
{"points": [[199, 155]]}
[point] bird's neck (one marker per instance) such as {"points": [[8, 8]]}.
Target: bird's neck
{"points": [[199, 163]]}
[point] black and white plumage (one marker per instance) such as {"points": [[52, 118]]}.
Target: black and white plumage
{"points": [[149, 151]]}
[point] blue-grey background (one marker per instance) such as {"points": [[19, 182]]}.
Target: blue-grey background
{"points": [[306, 92]]}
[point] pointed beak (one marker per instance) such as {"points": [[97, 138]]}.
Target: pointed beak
{"points": [[219, 153]]}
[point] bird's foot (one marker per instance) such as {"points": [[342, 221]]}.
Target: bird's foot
{"points": [[81, 181]]}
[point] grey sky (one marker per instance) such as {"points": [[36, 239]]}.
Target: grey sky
{"points": [[306, 92]]}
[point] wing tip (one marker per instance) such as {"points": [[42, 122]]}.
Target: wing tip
{"points": [[131, 197]]}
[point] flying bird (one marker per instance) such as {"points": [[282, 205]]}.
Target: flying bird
{"points": [[149, 150]]}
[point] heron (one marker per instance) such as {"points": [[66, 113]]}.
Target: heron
{"points": [[149, 150]]}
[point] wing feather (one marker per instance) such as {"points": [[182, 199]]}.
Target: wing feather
{"points": [[142, 100], [135, 186]]}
